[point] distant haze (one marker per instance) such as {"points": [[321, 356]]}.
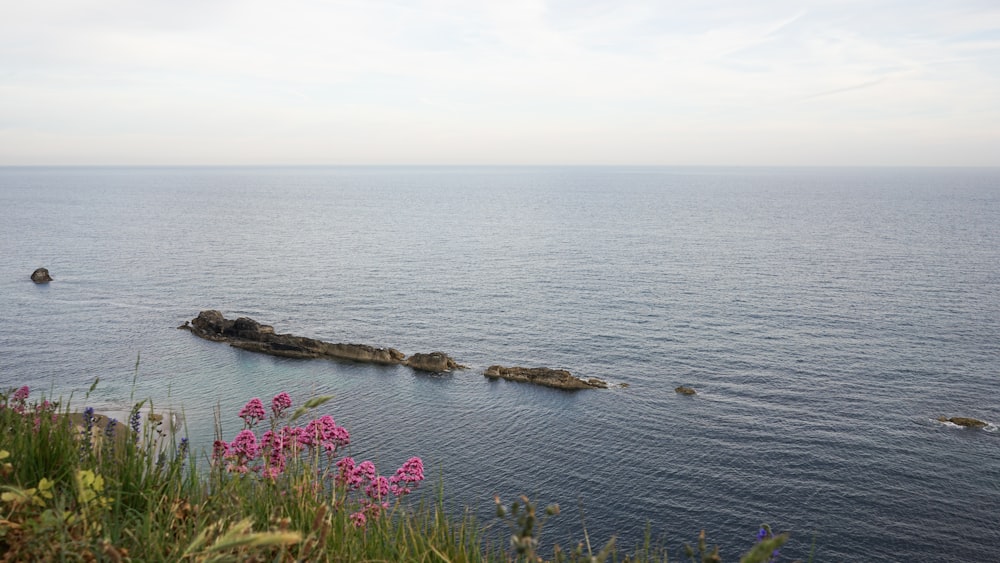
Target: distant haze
{"points": [[728, 82]]}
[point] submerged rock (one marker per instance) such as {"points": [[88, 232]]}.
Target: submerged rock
{"points": [[964, 421], [685, 390], [247, 334], [41, 275], [557, 378]]}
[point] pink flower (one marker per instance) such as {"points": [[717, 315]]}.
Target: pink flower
{"points": [[378, 488], [347, 476], [252, 412], [245, 445], [220, 449], [324, 432], [412, 472], [340, 436], [271, 440], [279, 403], [22, 394], [365, 469], [359, 519], [275, 466]]}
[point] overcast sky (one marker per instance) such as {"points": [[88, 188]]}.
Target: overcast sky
{"points": [[729, 82]]}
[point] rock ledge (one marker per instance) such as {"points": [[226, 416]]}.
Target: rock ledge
{"points": [[247, 334], [557, 378]]}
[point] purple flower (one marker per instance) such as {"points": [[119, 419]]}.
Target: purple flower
{"points": [[88, 417], [279, 403], [133, 421], [109, 430], [253, 412], [765, 534]]}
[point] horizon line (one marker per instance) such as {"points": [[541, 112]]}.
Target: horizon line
{"points": [[507, 165]]}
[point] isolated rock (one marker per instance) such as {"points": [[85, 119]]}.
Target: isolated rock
{"points": [[247, 334], [41, 275], [557, 378], [685, 390], [434, 361], [963, 421]]}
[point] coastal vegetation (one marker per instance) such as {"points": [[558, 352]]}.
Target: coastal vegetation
{"points": [[77, 486]]}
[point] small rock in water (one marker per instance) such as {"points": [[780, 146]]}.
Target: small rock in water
{"points": [[685, 390], [41, 275], [964, 421]]}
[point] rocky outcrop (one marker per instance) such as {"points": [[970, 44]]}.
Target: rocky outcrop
{"points": [[964, 421], [435, 361], [685, 390], [557, 378], [41, 275], [247, 334]]}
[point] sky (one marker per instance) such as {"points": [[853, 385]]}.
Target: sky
{"points": [[520, 82]]}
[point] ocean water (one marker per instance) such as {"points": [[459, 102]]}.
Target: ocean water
{"points": [[825, 316]]}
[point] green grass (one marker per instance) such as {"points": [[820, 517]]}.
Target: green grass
{"points": [[73, 490]]}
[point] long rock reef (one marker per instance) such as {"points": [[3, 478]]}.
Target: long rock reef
{"points": [[558, 378], [247, 334]]}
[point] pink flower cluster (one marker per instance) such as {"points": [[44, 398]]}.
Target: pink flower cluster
{"points": [[22, 394], [20, 399], [377, 488], [252, 412], [280, 403], [408, 476], [19, 403], [269, 455]]}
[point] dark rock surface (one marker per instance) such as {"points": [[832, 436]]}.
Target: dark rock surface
{"points": [[247, 334], [557, 378], [964, 421], [685, 390], [41, 275]]}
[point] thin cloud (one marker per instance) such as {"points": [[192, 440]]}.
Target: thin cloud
{"points": [[529, 81], [845, 89]]}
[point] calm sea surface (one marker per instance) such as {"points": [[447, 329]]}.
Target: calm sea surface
{"points": [[826, 317]]}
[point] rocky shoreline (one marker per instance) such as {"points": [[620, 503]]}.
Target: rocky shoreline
{"points": [[247, 334]]}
